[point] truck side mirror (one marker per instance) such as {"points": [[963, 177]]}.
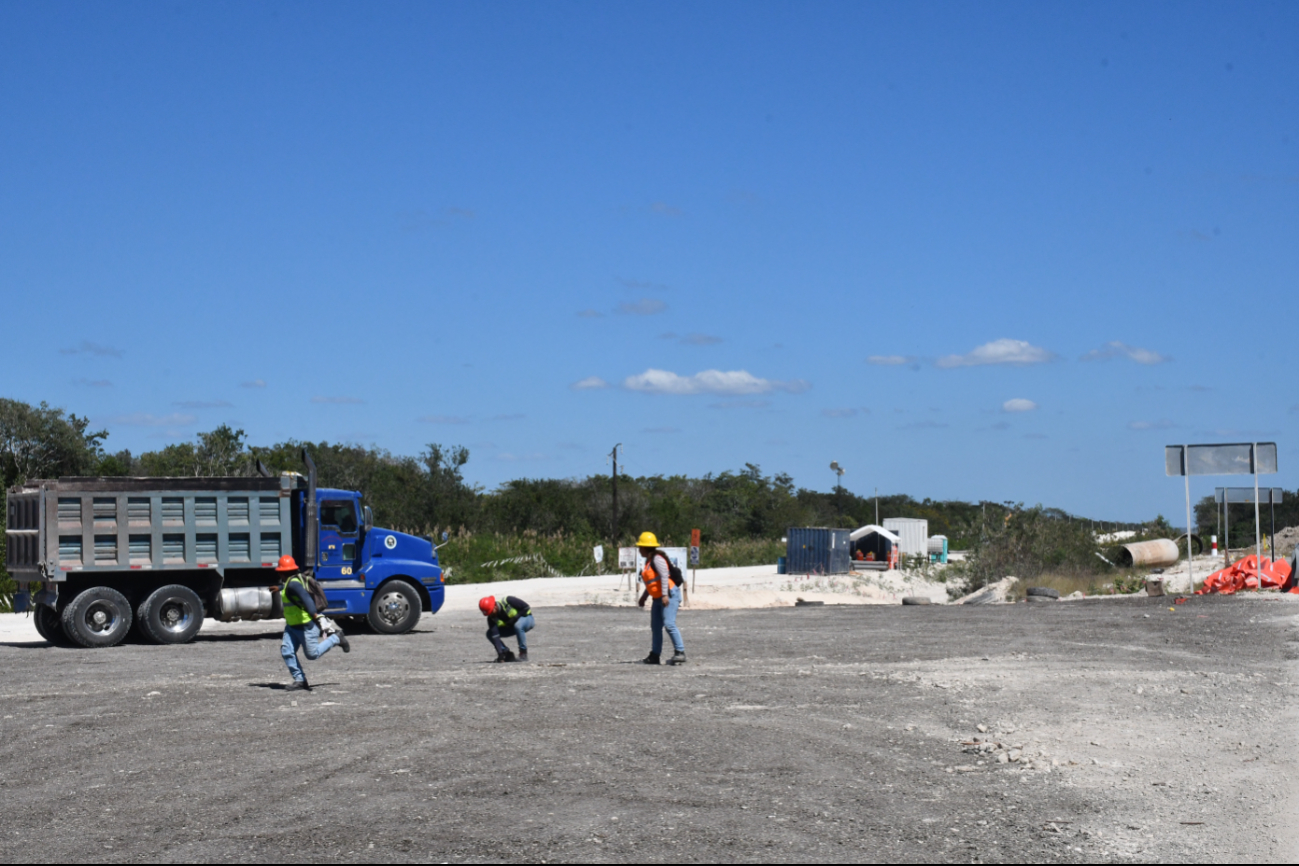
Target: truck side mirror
{"points": [[369, 518]]}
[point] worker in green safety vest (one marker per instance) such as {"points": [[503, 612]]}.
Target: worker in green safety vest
{"points": [[301, 625], [507, 616]]}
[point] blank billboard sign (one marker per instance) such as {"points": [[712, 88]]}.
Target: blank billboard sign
{"points": [[1247, 458]]}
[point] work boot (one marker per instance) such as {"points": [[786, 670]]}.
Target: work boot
{"points": [[506, 656], [343, 643], [651, 659], [678, 659], [523, 655], [298, 686]]}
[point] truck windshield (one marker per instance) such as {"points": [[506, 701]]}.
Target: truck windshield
{"points": [[341, 515]]}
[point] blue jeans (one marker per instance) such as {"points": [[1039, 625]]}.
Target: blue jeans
{"points": [[306, 637], [520, 629], [664, 616]]}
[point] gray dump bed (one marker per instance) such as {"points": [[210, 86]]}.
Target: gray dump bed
{"points": [[62, 528]]}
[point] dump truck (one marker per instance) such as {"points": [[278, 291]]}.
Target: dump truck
{"points": [[98, 558]]}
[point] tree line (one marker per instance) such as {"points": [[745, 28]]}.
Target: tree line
{"points": [[427, 493]]}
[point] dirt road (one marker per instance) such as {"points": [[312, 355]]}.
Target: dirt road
{"points": [[811, 734]]}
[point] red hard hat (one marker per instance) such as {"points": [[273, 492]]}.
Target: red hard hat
{"points": [[286, 564], [487, 605]]}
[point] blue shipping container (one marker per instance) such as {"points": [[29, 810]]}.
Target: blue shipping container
{"points": [[817, 550]]}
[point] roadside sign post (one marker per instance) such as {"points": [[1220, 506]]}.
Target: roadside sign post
{"points": [[1245, 495], [1240, 458], [694, 558], [627, 566]]}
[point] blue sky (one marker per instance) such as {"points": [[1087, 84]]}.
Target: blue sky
{"points": [[1003, 251]]}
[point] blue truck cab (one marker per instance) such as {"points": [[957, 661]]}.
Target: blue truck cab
{"points": [[384, 576]]}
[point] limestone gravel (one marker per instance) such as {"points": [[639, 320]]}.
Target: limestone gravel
{"points": [[418, 749]]}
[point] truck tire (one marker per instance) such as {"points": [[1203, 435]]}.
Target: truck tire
{"points": [[99, 617], [172, 614], [915, 599], [50, 626], [395, 608], [1043, 592]]}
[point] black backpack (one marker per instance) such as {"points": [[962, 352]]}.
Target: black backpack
{"points": [[673, 572]]}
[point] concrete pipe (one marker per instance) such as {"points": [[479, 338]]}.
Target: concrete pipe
{"points": [[1159, 553]]}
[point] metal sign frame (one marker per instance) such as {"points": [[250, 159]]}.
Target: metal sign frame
{"points": [[1228, 496], [1235, 458]]}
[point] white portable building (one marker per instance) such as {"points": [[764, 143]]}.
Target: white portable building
{"points": [[913, 532]]}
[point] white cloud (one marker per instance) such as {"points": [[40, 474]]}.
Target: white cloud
{"points": [[643, 307], [1018, 404], [1002, 351], [203, 404], [88, 348], [740, 404], [589, 383], [889, 360], [709, 382], [338, 401], [144, 419], [1115, 349]]}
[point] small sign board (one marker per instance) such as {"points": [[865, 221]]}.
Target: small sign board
{"points": [[599, 553], [694, 555], [1245, 495], [694, 538], [677, 555], [626, 559]]}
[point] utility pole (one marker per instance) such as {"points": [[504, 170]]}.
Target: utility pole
{"points": [[614, 455]]}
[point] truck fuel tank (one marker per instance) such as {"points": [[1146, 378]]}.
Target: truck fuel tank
{"points": [[248, 602]]}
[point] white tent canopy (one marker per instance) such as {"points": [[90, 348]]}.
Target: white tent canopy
{"points": [[872, 528]]}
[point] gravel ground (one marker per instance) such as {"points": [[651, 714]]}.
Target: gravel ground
{"points": [[1139, 730]]}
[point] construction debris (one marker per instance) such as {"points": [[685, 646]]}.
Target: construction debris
{"points": [[1247, 574], [993, 593]]}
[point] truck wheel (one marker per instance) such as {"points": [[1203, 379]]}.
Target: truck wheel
{"points": [[395, 608], [172, 614], [99, 617], [50, 626]]}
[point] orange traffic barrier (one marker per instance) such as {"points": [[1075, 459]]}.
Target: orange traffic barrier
{"points": [[1249, 573]]}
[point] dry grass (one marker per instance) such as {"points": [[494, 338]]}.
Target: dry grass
{"points": [[1117, 582]]}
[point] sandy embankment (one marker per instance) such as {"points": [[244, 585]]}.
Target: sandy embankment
{"points": [[712, 589]]}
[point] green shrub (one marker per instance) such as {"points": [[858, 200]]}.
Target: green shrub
{"points": [[1029, 543]]}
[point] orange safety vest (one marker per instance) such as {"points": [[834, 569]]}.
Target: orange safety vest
{"points": [[651, 577]]}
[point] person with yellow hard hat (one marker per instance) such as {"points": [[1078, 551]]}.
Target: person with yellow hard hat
{"points": [[663, 582]]}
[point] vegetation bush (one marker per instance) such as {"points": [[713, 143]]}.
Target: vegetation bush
{"points": [[531, 527], [1029, 543]]}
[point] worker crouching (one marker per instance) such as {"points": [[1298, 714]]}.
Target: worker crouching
{"points": [[507, 617], [663, 584]]}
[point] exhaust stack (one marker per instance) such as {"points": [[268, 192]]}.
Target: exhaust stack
{"points": [[312, 520]]}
